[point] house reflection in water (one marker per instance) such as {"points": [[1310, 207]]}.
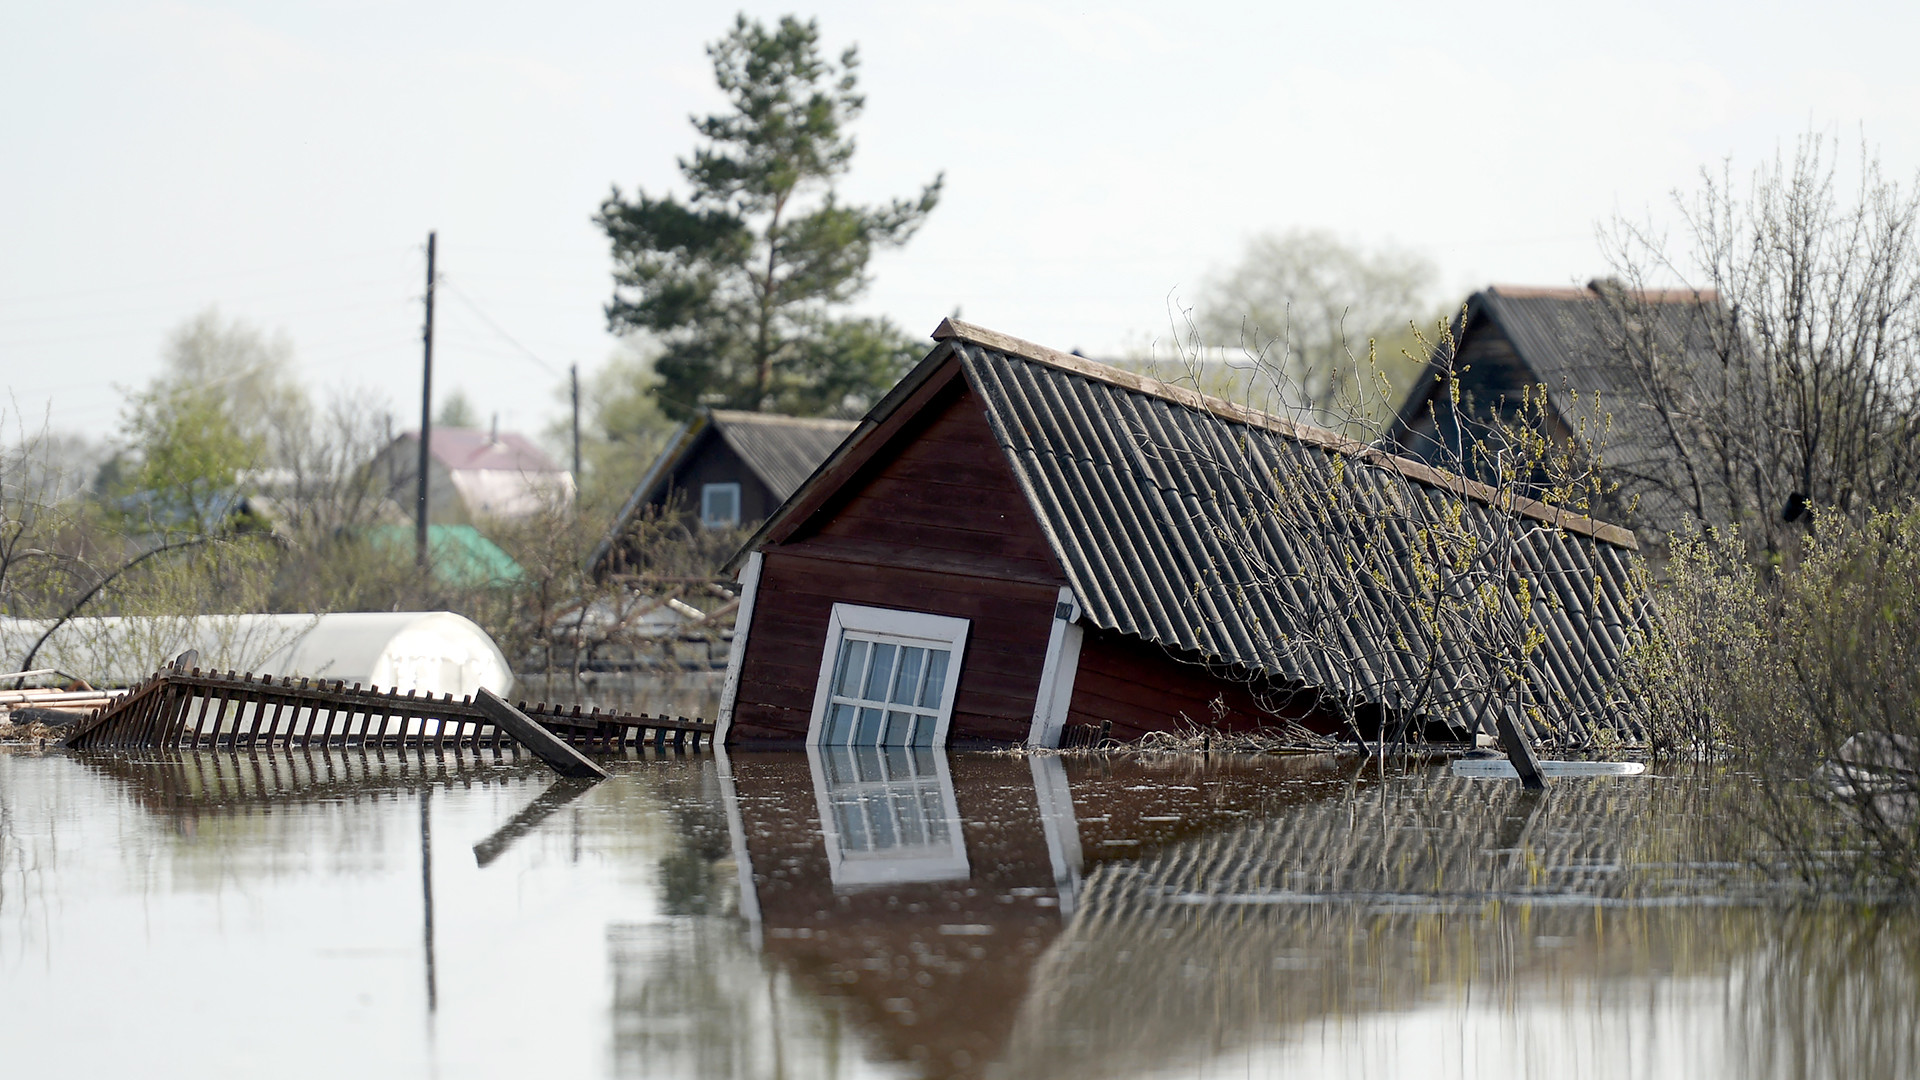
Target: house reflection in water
{"points": [[920, 894], [888, 815], [1124, 917]]}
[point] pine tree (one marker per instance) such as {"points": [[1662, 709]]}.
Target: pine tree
{"points": [[739, 283]]}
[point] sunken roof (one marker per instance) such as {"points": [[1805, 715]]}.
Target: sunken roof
{"points": [[1148, 495]]}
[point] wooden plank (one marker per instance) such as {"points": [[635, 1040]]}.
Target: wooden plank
{"points": [[547, 746], [1519, 750]]}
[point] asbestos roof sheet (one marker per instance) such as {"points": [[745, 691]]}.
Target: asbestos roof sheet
{"points": [[1159, 504], [781, 450], [1568, 340], [1562, 337]]}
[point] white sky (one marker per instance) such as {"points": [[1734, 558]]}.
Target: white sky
{"points": [[286, 160]]}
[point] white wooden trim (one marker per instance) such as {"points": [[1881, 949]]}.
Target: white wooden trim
{"points": [[904, 864], [742, 623], [1055, 798], [1057, 674], [911, 627], [737, 835]]}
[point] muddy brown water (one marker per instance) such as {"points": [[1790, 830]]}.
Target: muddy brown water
{"points": [[908, 915]]}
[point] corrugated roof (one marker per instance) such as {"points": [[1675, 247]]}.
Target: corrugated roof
{"points": [[1564, 337], [1155, 500], [781, 450]]}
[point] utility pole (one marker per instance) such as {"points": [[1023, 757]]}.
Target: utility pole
{"points": [[573, 372], [426, 416]]}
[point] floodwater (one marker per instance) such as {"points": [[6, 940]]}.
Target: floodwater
{"points": [[911, 915]]}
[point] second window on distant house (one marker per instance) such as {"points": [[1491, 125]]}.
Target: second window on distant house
{"points": [[720, 506]]}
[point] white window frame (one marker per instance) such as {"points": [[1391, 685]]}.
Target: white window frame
{"points": [[707, 518], [888, 626], [896, 777]]}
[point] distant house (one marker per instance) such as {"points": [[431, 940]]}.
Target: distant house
{"points": [[721, 471], [1512, 338], [1022, 546], [473, 475]]}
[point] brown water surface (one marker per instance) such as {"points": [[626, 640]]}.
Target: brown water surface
{"points": [[908, 915]]}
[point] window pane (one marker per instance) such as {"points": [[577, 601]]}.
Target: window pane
{"points": [[720, 505], [906, 688], [923, 730], [880, 820], [839, 725], [853, 664], [879, 672], [853, 826], [867, 733], [899, 730], [907, 818], [936, 679]]}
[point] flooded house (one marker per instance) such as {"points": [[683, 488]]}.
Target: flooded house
{"points": [[1594, 349], [1021, 546], [725, 469]]}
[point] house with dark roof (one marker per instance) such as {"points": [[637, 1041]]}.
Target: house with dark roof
{"points": [[722, 470], [1611, 357], [1020, 546], [473, 476]]}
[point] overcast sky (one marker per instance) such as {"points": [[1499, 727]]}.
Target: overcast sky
{"points": [[285, 160]]}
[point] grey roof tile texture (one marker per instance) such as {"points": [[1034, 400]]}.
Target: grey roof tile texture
{"points": [[1151, 505], [781, 450], [1564, 338]]}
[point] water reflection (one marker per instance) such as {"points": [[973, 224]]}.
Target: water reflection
{"points": [[1134, 918], [896, 912], [887, 815]]}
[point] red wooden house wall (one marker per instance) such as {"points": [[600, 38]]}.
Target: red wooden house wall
{"points": [[934, 523]]}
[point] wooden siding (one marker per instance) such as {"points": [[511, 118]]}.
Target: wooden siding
{"points": [[1140, 687], [934, 523], [714, 462]]}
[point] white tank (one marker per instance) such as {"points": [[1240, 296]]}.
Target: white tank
{"points": [[433, 652]]}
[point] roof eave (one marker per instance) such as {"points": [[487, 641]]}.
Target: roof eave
{"points": [[677, 446], [818, 486]]}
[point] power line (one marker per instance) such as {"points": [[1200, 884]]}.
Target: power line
{"points": [[461, 295]]}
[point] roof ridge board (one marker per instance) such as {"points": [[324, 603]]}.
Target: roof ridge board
{"points": [[1305, 433], [750, 416], [1680, 294]]}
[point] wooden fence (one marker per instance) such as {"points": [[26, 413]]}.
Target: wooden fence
{"points": [[195, 710]]}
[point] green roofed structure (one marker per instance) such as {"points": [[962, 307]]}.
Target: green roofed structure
{"points": [[462, 557]]}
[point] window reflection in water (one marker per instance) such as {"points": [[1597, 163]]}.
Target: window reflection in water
{"points": [[888, 814]]}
